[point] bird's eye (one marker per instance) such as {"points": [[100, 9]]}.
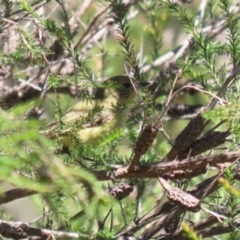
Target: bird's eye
{"points": [[127, 85]]}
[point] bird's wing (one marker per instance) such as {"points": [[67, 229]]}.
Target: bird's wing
{"points": [[85, 122], [96, 117], [80, 110], [82, 115], [87, 114]]}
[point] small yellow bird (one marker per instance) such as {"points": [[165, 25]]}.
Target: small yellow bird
{"points": [[89, 120]]}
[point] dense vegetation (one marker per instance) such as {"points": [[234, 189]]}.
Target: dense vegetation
{"points": [[173, 172]]}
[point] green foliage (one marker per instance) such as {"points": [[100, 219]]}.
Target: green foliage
{"points": [[189, 233], [156, 27], [181, 14], [68, 189], [228, 113], [233, 28], [26, 7], [8, 7], [84, 71], [125, 37], [50, 25], [232, 203]]}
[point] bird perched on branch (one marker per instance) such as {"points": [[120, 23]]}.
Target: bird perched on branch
{"points": [[90, 119]]}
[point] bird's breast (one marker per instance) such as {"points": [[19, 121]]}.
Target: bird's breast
{"points": [[95, 133]]}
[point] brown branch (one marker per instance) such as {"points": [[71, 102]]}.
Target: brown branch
{"points": [[158, 169], [179, 110], [90, 26], [227, 83], [168, 211], [210, 220], [20, 230], [200, 227], [187, 136], [204, 232], [15, 194], [18, 94], [207, 142], [176, 212], [144, 142]]}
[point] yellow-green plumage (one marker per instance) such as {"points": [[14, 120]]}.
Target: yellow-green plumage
{"points": [[89, 120]]}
